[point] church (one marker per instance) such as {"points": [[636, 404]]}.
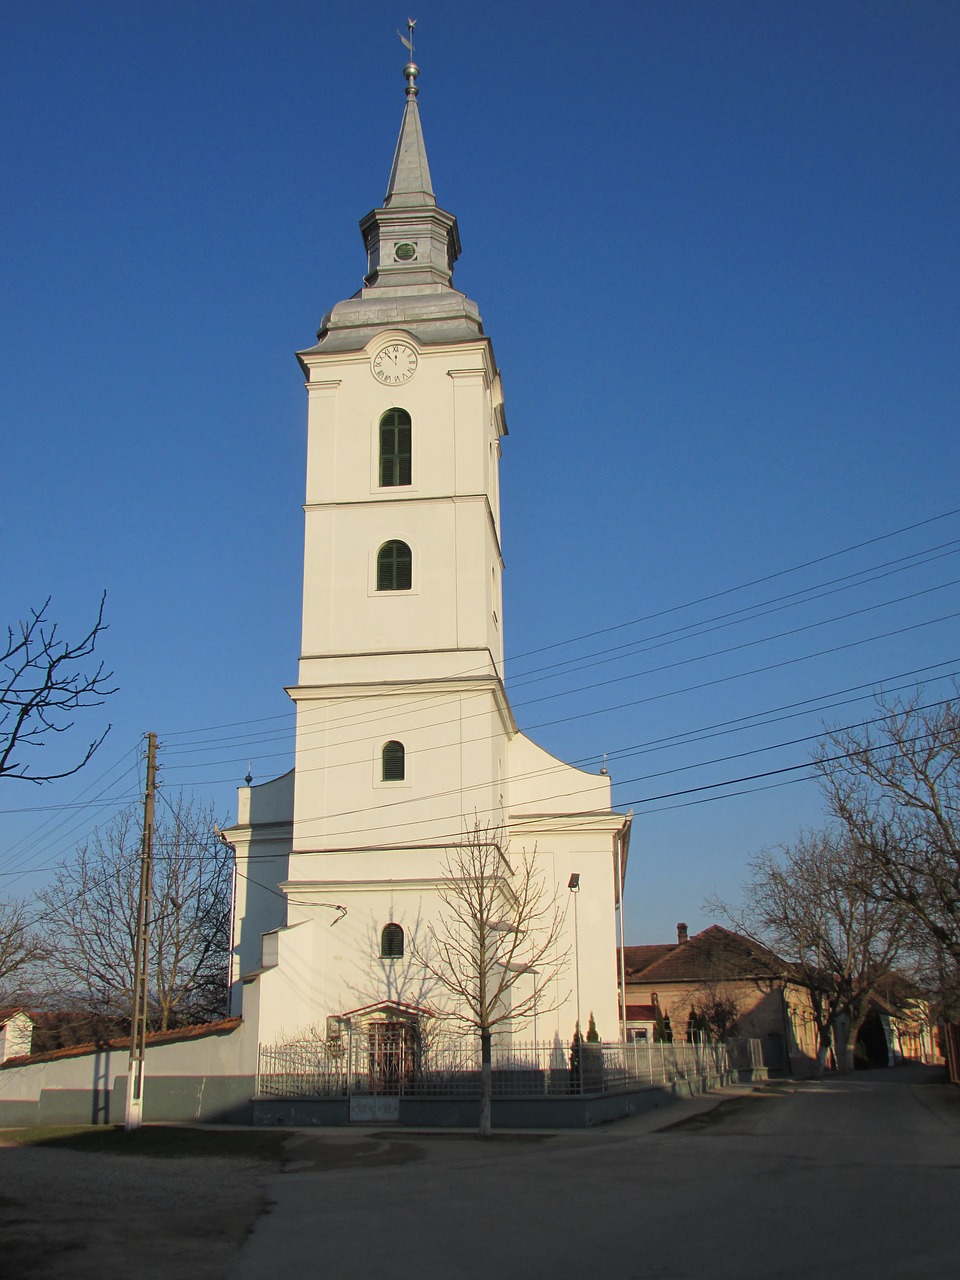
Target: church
{"points": [[405, 739]]}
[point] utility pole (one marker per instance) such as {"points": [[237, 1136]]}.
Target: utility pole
{"points": [[141, 970]]}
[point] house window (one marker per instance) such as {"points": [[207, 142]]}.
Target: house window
{"points": [[395, 450], [392, 762], [391, 942], [394, 567]]}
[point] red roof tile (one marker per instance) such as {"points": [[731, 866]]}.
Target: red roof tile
{"points": [[123, 1042], [636, 959], [713, 955]]}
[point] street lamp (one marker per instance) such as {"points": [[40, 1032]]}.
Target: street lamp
{"points": [[573, 884]]}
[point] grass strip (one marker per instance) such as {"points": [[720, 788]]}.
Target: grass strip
{"points": [[170, 1141]]}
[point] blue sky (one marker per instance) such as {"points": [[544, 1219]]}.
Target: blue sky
{"points": [[715, 247]]}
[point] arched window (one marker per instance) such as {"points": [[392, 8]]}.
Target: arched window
{"points": [[394, 567], [391, 942], [392, 762], [395, 452]]}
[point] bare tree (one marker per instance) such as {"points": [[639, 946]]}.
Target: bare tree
{"points": [[43, 681], [808, 903], [895, 788], [732, 969], [716, 1010], [499, 921], [91, 919], [936, 975], [21, 947]]}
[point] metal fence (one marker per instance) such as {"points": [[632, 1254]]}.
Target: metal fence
{"points": [[377, 1064]]}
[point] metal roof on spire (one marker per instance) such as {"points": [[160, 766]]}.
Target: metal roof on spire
{"points": [[411, 246], [409, 185]]}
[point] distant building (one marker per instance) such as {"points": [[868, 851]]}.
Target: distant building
{"points": [[718, 983]]}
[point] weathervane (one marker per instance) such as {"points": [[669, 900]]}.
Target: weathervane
{"points": [[411, 23], [411, 70]]}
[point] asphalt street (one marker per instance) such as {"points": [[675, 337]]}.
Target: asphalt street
{"points": [[856, 1177]]}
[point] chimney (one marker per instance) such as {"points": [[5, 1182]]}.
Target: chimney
{"points": [[681, 933]]}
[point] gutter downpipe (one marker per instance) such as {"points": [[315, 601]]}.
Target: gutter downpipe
{"points": [[623, 845]]}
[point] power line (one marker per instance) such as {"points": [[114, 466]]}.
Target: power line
{"points": [[620, 652], [552, 795], [724, 621], [636, 621], [702, 733], [374, 715], [744, 586], [743, 615]]}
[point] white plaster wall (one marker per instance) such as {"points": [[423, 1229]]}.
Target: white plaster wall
{"points": [[233, 1053], [449, 397], [329, 968], [324, 968], [451, 543], [540, 783], [561, 849], [449, 514], [262, 838], [453, 741]]}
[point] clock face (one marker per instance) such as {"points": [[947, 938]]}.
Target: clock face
{"points": [[394, 364]]}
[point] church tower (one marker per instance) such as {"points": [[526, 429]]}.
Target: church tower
{"points": [[401, 716], [404, 734]]}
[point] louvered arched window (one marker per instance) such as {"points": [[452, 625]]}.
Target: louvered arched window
{"points": [[394, 567], [391, 942], [395, 448], [392, 762]]}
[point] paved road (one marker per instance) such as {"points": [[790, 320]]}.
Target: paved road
{"points": [[852, 1178]]}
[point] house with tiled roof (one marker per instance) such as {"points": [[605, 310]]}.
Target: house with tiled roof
{"points": [[717, 984]]}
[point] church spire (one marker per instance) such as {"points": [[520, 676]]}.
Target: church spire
{"points": [[409, 183], [411, 246], [410, 240]]}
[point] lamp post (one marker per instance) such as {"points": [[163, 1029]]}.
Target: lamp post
{"points": [[573, 884]]}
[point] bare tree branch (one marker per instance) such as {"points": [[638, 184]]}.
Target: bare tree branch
{"points": [[21, 947], [91, 910], [43, 681], [896, 791]]}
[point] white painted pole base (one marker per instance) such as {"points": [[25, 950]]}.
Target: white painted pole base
{"points": [[134, 1108]]}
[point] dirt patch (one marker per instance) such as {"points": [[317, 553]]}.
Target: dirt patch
{"points": [[721, 1115], [164, 1141], [91, 1213], [304, 1152]]}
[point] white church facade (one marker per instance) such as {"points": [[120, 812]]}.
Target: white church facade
{"points": [[405, 739]]}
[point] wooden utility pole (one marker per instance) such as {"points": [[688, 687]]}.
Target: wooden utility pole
{"points": [[141, 971]]}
